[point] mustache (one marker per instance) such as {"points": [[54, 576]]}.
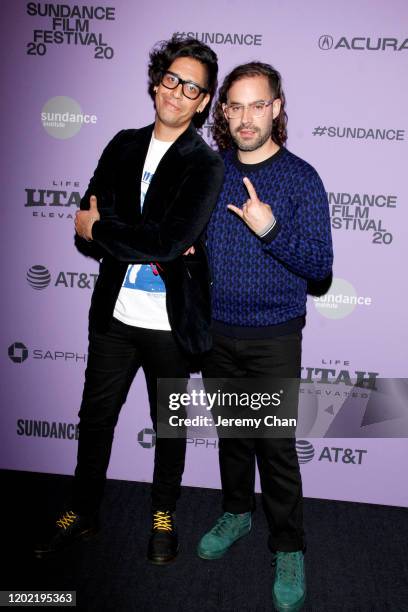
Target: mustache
{"points": [[246, 126]]}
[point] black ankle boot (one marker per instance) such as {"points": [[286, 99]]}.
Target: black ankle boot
{"points": [[163, 542], [68, 528]]}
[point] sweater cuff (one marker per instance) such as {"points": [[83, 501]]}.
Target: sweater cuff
{"points": [[270, 232]]}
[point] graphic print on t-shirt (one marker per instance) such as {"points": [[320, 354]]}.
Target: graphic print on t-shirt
{"points": [[144, 279], [142, 299], [139, 276]]}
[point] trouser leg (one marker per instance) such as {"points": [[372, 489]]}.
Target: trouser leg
{"points": [[278, 465], [281, 487], [113, 360], [236, 456], [277, 460], [162, 358]]}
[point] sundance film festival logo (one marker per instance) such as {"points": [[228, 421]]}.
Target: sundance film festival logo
{"points": [[55, 202], [224, 38], [359, 133], [361, 43], [341, 300], [18, 352], [62, 117], [146, 438], [39, 277], [47, 429], [353, 212], [69, 25]]}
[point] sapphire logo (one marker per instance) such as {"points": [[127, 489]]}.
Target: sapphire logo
{"points": [[305, 451], [38, 277], [18, 352], [147, 438], [326, 42]]}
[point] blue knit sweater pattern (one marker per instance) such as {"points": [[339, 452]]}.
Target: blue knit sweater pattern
{"points": [[262, 281]]}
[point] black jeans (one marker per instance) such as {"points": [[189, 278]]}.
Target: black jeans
{"points": [[276, 457], [114, 358]]}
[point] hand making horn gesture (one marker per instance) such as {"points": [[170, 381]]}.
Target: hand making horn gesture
{"points": [[84, 219], [256, 214]]}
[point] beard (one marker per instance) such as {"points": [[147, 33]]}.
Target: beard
{"points": [[259, 139]]}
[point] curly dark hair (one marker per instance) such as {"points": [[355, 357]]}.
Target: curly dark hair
{"points": [[220, 129], [165, 52]]}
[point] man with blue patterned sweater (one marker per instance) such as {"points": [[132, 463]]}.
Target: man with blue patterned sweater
{"points": [[269, 234]]}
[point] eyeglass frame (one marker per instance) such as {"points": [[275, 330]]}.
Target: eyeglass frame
{"points": [[267, 103], [183, 82]]}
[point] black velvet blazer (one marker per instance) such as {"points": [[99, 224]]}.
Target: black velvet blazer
{"points": [[176, 210]]}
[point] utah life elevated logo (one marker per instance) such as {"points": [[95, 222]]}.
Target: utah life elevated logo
{"points": [[60, 201]]}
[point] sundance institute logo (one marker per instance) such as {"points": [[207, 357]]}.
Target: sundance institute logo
{"points": [[38, 277], [62, 117], [341, 300]]}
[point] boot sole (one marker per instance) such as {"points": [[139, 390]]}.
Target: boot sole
{"points": [[163, 560], [84, 536], [218, 555], [289, 608]]}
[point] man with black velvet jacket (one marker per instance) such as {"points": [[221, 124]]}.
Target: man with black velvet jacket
{"points": [[149, 200]]}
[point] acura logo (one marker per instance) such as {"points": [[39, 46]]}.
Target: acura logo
{"points": [[326, 42]]}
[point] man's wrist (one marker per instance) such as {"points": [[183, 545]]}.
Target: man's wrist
{"points": [[267, 228], [91, 223]]}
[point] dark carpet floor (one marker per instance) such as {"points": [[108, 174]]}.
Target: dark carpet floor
{"points": [[357, 559]]}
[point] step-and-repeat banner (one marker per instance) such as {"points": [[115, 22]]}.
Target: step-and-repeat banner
{"points": [[75, 75]]}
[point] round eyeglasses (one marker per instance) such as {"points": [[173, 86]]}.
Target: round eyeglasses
{"points": [[191, 90], [256, 109]]}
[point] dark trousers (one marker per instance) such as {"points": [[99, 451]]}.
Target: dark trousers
{"points": [[114, 358], [276, 457]]}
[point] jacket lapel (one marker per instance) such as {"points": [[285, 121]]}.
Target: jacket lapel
{"points": [[167, 170], [133, 159]]}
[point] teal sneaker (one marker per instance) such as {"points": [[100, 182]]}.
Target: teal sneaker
{"points": [[289, 587], [228, 529]]}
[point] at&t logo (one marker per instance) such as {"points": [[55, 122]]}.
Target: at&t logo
{"points": [[305, 451], [333, 454], [38, 277]]}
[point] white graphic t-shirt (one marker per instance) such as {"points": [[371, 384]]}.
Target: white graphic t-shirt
{"points": [[142, 299]]}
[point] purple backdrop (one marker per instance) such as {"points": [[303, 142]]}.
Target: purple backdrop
{"points": [[345, 77]]}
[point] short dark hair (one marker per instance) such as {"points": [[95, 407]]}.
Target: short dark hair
{"points": [[165, 52], [220, 128]]}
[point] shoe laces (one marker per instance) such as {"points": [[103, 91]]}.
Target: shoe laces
{"points": [[224, 524], [67, 519], [162, 520], [289, 567]]}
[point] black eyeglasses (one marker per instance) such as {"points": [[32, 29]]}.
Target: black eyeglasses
{"points": [[191, 90]]}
